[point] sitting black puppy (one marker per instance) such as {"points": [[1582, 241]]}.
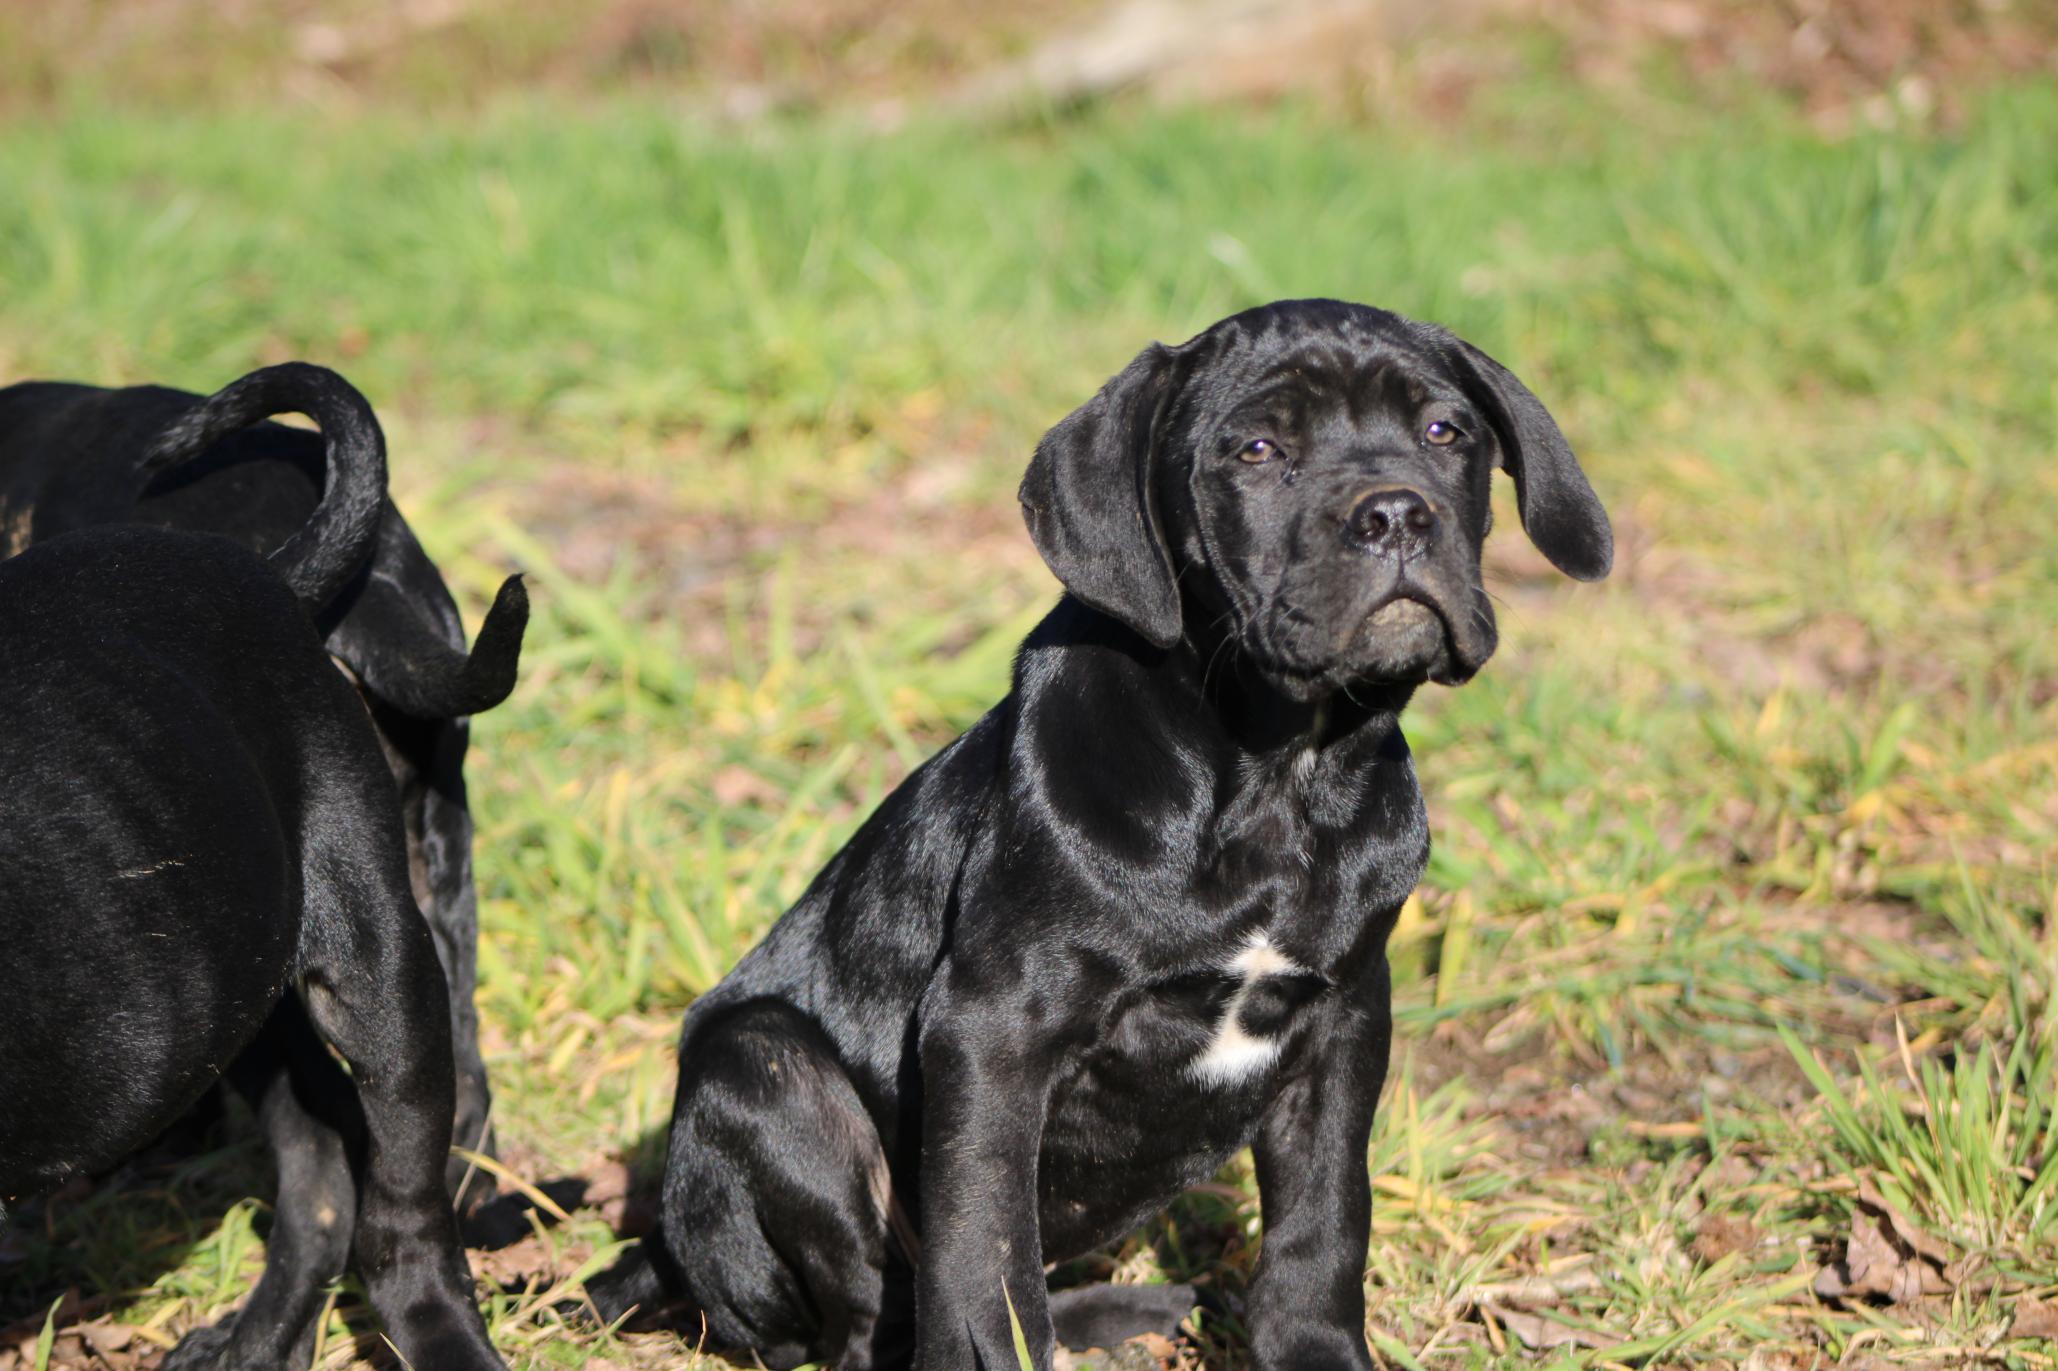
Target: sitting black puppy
{"points": [[69, 456], [1135, 918], [196, 817]]}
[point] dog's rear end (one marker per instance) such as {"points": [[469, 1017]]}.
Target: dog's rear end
{"points": [[77, 456], [195, 817]]}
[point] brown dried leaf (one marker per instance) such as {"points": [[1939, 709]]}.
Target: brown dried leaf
{"points": [[1874, 1264], [1905, 1229], [1159, 1346], [2034, 1319], [1719, 1235], [1543, 1289], [1534, 1330], [108, 1337]]}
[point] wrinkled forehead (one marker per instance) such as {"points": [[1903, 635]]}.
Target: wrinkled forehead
{"points": [[1330, 373]]}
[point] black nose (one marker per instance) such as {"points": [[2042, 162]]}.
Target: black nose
{"points": [[1394, 522]]}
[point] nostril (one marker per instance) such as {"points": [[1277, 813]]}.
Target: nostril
{"points": [[1385, 517]]}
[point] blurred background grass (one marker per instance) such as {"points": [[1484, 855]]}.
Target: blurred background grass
{"points": [[733, 325]]}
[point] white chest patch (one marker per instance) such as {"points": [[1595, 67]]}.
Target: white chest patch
{"points": [[1233, 1053]]}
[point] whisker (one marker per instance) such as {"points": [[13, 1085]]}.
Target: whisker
{"points": [[1208, 671]]}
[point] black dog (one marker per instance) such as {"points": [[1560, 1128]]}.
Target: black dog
{"points": [[196, 817], [1136, 917], [68, 460]]}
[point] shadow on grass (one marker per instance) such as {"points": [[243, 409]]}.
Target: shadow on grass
{"points": [[187, 1219], [111, 1240]]}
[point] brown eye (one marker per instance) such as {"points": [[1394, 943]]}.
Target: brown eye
{"points": [[1258, 450], [1441, 433]]}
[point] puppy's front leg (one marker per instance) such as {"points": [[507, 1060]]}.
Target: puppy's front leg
{"points": [[1307, 1301], [985, 1079]]}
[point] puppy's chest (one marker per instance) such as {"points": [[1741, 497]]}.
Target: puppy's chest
{"points": [[1285, 911], [1285, 898], [1192, 1032], [1264, 989]]}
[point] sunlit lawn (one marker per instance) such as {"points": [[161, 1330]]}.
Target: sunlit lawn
{"points": [[1738, 935]]}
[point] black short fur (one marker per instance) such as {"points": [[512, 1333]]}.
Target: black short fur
{"points": [[1135, 918], [196, 819], [76, 456]]}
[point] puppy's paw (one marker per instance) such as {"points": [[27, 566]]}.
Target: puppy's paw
{"points": [[1109, 1315], [1331, 1350], [200, 1349], [630, 1288]]}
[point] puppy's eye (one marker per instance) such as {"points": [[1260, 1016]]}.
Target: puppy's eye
{"points": [[1441, 433], [1258, 450]]}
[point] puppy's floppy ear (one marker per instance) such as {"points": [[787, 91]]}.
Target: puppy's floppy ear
{"points": [[1560, 511], [1088, 502]]}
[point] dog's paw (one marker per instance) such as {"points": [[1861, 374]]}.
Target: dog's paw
{"points": [[1109, 1315], [1341, 1352], [200, 1349]]}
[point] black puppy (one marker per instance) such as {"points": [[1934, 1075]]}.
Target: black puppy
{"points": [[1136, 917], [68, 460], [196, 817]]}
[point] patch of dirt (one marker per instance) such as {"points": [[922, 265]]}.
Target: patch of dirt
{"points": [[1846, 62], [787, 53], [1553, 1104], [907, 540], [1690, 597]]}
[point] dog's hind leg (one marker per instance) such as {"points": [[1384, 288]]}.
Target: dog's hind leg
{"points": [[778, 1205], [309, 1115], [445, 838], [427, 761], [374, 989]]}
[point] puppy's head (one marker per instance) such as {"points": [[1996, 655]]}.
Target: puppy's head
{"points": [[1312, 478]]}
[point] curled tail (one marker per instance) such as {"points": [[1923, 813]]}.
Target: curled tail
{"points": [[337, 539], [407, 660], [430, 679]]}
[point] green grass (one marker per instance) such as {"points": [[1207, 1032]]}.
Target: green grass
{"points": [[1713, 840]]}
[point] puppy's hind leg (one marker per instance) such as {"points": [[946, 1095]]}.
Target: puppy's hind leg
{"points": [[446, 841], [777, 1204], [427, 760], [307, 1109], [374, 989]]}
